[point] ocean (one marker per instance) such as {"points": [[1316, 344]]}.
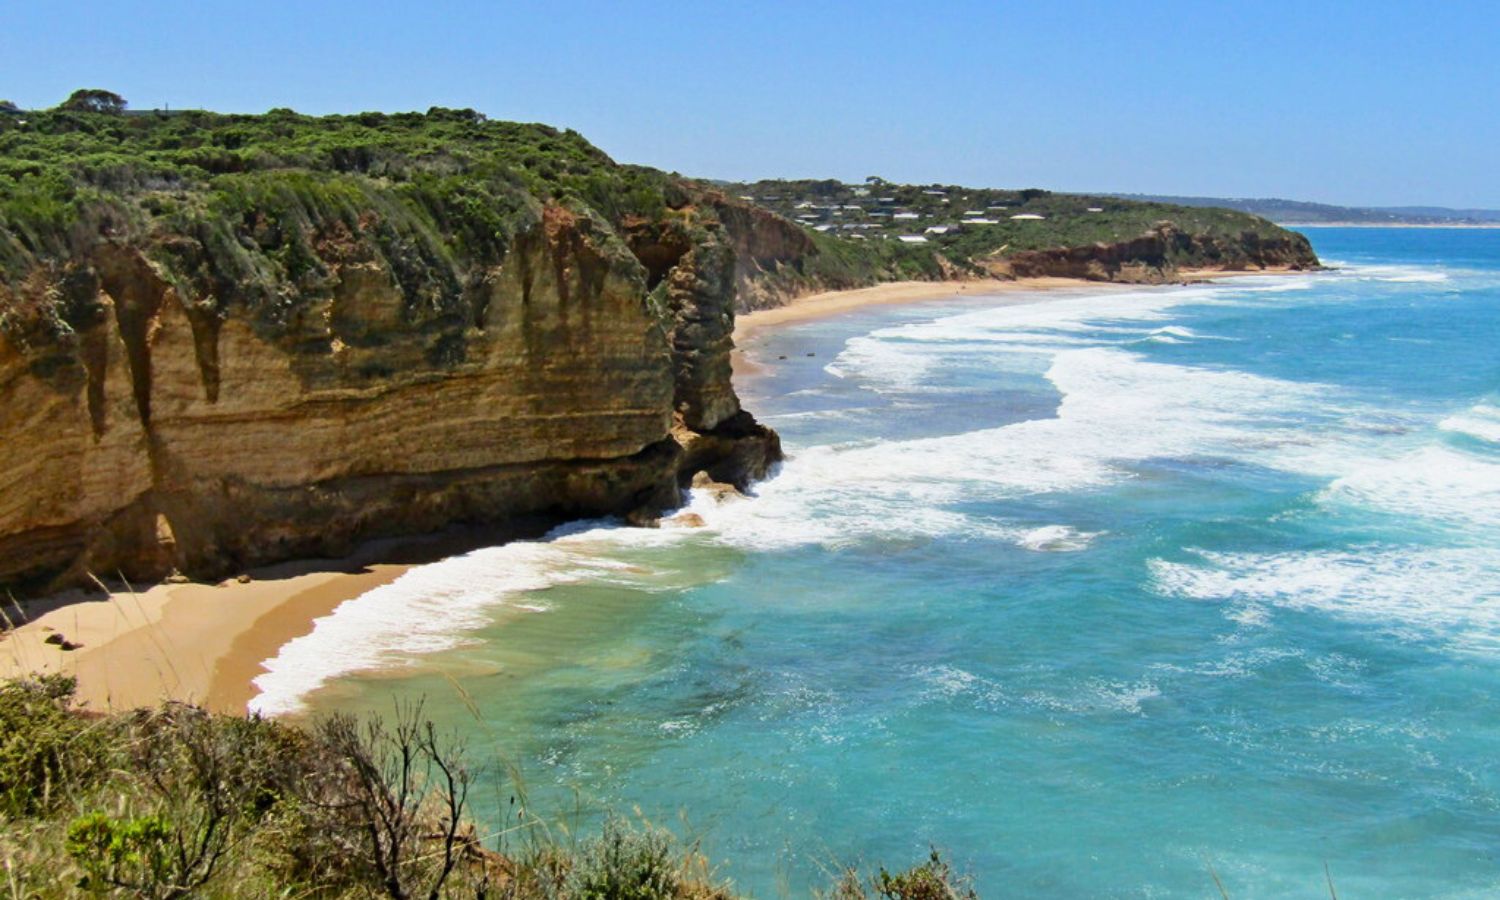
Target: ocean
{"points": [[1106, 593]]}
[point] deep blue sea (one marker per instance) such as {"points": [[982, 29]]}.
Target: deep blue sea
{"points": [[1101, 591]]}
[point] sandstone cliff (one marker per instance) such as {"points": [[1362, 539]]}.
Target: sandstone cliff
{"points": [[1157, 256], [171, 399]]}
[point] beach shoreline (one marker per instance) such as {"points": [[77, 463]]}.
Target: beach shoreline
{"points": [[193, 643], [206, 643]]}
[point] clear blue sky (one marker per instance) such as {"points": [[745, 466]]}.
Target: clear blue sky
{"points": [[1376, 102]]}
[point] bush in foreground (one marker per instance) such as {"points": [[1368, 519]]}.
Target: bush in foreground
{"points": [[176, 802]]}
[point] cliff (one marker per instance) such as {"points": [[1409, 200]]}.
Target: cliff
{"points": [[298, 362], [1158, 256], [228, 340]]}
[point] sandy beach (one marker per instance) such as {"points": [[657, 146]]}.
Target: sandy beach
{"points": [[204, 643], [830, 303], [197, 643]]}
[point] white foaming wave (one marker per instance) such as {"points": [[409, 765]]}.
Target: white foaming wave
{"points": [[1056, 539], [900, 358], [883, 366], [1172, 334], [947, 680], [1118, 406], [1175, 331], [838, 500], [430, 607], [1178, 334], [1417, 593], [1434, 482], [1400, 274], [1481, 421], [898, 490]]}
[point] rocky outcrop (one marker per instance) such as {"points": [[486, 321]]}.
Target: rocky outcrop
{"points": [[771, 256], [1157, 256], [151, 424]]}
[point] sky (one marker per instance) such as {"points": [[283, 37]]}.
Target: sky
{"points": [[1379, 102]]}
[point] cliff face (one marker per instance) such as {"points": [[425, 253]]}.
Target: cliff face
{"points": [[151, 426], [1158, 255]]}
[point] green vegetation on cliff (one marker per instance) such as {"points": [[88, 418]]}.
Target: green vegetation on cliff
{"points": [[175, 802], [248, 209], [244, 209]]}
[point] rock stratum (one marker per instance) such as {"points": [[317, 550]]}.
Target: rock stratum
{"points": [[220, 390], [169, 433], [1159, 255], [232, 340]]}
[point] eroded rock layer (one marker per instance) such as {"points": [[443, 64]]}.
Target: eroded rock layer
{"points": [[166, 429], [1158, 256]]}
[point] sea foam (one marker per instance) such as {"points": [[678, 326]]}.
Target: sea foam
{"points": [[430, 608], [1481, 421], [1418, 593]]}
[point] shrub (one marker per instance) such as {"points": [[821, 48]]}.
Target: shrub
{"points": [[45, 750], [134, 854], [625, 864], [931, 880]]}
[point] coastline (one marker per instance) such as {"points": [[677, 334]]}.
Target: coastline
{"points": [[193, 643], [205, 643], [831, 303]]}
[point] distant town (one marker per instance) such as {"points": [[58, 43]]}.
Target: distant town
{"points": [[917, 214], [911, 214]]}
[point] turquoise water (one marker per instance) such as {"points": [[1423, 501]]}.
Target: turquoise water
{"points": [[1096, 592]]}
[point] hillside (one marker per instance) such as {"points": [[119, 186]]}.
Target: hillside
{"points": [[949, 231]]}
